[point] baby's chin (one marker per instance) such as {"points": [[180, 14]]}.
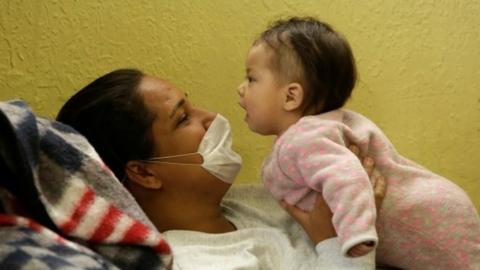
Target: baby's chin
{"points": [[253, 126], [255, 129]]}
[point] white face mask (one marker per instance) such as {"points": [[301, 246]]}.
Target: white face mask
{"points": [[216, 150]]}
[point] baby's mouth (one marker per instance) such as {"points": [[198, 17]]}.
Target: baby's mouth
{"points": [[241, 105], [245, 109]]}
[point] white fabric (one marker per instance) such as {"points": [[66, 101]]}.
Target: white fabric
{"points": [[267, 238], [216, 149], [219, 158]]}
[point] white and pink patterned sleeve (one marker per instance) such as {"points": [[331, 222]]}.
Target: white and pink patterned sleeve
{"points": [[323, 162]]}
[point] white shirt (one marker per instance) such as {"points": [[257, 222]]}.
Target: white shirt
{"points": [[266, 238]]}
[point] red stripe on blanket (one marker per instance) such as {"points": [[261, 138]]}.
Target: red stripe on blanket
{"points": [[162, 247], [107, 224], [34, 225], [8, 220], [136, 234], [61, 240], [79, 212]]}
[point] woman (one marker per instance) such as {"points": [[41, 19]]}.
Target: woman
{"points": [[147, 132]]}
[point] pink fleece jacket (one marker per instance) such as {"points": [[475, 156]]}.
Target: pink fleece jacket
{"points": [[426, 221]]}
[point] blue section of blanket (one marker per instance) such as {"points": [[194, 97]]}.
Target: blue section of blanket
{"points": [[54, 157], [22, 248]]}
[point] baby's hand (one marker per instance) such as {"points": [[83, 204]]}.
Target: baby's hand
{"points": [[361, 249]]}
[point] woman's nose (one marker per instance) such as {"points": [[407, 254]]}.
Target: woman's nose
{"points": [[206, 117], [241, 89]]}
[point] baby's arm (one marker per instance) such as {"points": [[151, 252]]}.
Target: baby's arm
{"points": [[379, 190], [318, 222], [329, 167]]}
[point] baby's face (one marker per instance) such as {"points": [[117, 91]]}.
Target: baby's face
{"points": [[261, 93]]}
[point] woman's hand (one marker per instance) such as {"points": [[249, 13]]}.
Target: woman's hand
{"points": [[318, 222], [378, 182]]}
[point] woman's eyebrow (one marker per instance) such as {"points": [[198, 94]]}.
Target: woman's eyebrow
{"points": [[177, 107]]}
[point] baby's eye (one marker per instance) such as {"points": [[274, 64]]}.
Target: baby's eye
{"points": [[250, 79]]}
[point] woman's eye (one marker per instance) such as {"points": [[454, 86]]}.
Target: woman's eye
{"points": [[183, 119], [249, 79]]}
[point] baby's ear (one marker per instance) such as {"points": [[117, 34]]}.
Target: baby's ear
{"points": [[293, 96], [140, 173]]}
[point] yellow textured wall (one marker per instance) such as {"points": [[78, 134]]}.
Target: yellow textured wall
{"points": [[419, 63]]}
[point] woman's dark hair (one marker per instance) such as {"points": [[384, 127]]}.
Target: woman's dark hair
{"points": [[321, 60], [111, 114]]}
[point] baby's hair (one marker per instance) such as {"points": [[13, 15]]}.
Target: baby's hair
{"points": [[310, 52]]}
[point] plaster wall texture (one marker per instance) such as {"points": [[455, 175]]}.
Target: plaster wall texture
{"points": [[418, 60]]}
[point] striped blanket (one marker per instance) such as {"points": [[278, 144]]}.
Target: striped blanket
{"points": [[61, 207]]}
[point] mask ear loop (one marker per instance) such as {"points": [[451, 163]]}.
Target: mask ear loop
{"points": [[159, 159], [173, 163], [174, 156]]}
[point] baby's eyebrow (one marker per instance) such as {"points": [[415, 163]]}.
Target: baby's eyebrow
{"points": [[177, 107]]}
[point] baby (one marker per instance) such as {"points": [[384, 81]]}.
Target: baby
{"points": [[300, 72]]}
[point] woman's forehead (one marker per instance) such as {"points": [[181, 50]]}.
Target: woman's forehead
{"points": [[159, 94], [156, 85], [160, 98]]}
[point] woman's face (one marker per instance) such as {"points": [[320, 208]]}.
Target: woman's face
{"points": [[178, 128]]}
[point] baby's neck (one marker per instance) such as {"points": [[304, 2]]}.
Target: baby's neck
{"points": [[287, 121]]}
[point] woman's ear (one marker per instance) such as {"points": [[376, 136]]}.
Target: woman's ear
{"points": [[139, 173], [293, 96]]}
